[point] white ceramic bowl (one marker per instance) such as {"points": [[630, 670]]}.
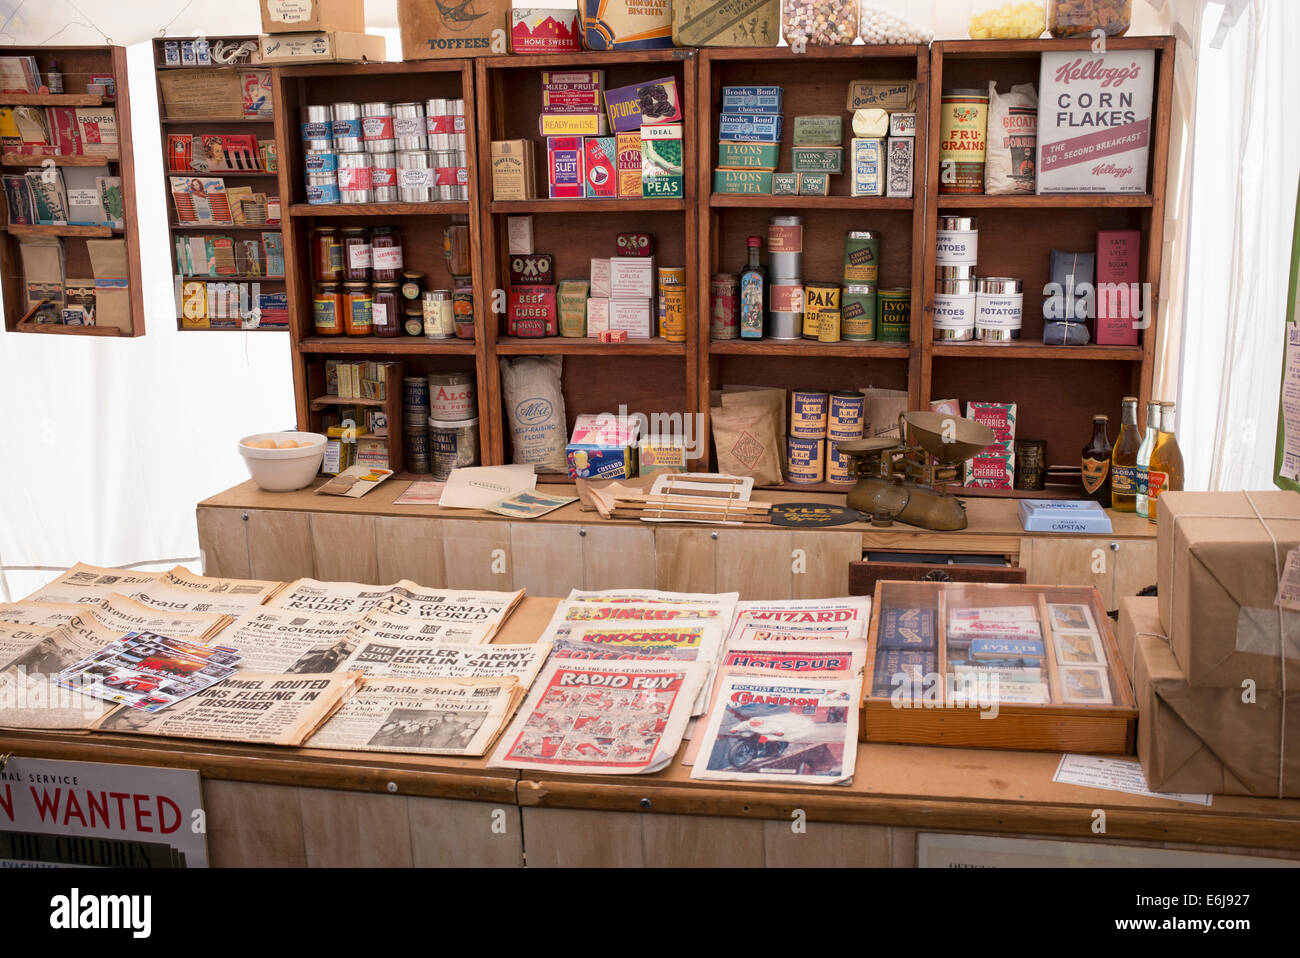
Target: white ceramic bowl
{"points": [[283, 470]]}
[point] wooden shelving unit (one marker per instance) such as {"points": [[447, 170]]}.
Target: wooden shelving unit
{"points": [[647, 376], [77, 63], [1057, 389], [420, 224], [813, 83], [259, 180]]}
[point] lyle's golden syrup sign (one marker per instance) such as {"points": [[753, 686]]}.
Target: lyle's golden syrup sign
{"points": [[811, 514]]}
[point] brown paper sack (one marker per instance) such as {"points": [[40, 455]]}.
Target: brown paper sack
{"points": [[1213, 740], [881, 411], [745, 434]]}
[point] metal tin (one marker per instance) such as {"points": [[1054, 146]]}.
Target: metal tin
{"points": [[955, 287], [413, 177], [785, 308], [957, 241], [1031, 464], [963, 131], [820, 300], [962, 223], [846, 416], [354, 178], [383, 177], [724, 321], [452, 445], [861, 257], [377, 127], [858, 313], [320, 161], [894, 315], [672, 303], [839, 467], [805, 460], [409, 128], [322, 188], [999, 309], [785, 246], [415, 392], [955, 271], [317, 128], [452, 397], [439, 316], [954, 313], [415, 444], [346, 126], [808, 414]]}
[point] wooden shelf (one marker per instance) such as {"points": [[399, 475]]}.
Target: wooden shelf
{"points": [[822, 487], [192, 121], [551, 345], [1030, 350], [52, 99], [807, 348], [66, 159], [221, 173], [1052, 201], [58, 329], [321, 402], [1050, 492], [767, 201], [386, 346], [225, 227], [230, 329], [238, 278], [41, 229], [629, 205], [379, 209]]}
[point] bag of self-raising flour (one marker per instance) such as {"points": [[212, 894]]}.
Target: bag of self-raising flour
{"points": [[535, 407], [1012, 138]]}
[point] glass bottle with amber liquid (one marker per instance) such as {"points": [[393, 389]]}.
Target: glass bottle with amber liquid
{"points": [[1096, 463], [1144, 454], [1123, 459], [1165, 474]]}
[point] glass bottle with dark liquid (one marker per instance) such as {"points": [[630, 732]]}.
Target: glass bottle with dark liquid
{"points": [[1096, 463]]}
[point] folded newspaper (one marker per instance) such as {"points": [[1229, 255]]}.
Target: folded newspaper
{"points": [[177, 590], [783, 728], [602, 718], [262, 709], [425, 716]]}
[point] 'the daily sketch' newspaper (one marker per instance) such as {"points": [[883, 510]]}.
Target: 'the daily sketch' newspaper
{"points": [[602, 718], [425, 716]]}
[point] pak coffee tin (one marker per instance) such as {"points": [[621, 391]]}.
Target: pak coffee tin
{"points": [[820, 301], [785, 246], [808, 414], [894, 315], [862, 258], [999, 309], [858, 313], [805, 460]]}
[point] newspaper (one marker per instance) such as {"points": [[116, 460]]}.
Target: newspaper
{"points": [[723, 602], [570, 614], [30, 696], [482, 612], [28, 612], [691, 640], [279, 641], [87, 583], [401, 658], [124, 615], [149, 672], [180, 590], [801, 619], [586, 718], [260, 708], [17, 637], [782, 728], [426, 716], [842, 659]]}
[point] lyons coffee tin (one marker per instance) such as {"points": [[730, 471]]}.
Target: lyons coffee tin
{"points": [[862, 258], [957, 241], [894, 315], [963, 129], [820, 300], [452, 397], [452, 445], [808, 414], [845, 416], [858, 313], [785, 246], [805, 460], [724, 323], [999, 309]]}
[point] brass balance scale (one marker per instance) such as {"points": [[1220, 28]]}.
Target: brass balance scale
{"points": [[899, 481]]}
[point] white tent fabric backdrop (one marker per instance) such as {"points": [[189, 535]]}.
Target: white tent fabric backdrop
{"points": [[111, 443]]}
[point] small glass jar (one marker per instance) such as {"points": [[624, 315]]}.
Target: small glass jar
{"points": [[894, 21], [1008, 19], [386, 310], [326, 255], [386, 254], [357, 309], [462, 307], [412, 286], [356, 255], [819, 23], [413, 319], [455, 246], [1074, 18], [327, 310]]}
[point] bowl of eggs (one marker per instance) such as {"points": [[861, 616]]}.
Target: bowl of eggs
{"points": [[283, 461]]}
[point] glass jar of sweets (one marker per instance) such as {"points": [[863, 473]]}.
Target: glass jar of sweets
{"points": [[357, 308]]}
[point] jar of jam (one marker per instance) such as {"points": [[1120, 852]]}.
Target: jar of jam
{"points": [[455, 246], [413, 319], [462, 307], [357, 305], [326, 255], [385, 310], [386, 254], [356, 255], [327, 310], [412, 286]]}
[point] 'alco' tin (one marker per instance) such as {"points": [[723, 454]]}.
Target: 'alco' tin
{"points": [[451, 396], [894, 315], [862, 257]]}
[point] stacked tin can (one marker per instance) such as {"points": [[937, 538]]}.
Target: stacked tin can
{"points": [[320, 161], [861, 284], [785, 277], [956, 253], [453, 422], [415, 418]]}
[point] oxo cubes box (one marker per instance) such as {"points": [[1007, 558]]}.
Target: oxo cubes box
{"points": [[566, 172]]}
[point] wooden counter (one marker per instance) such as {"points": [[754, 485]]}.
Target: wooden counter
{"points": [[285, 806], [247, 533]]}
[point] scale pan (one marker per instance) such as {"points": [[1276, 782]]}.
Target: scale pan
{"points": [[927, 430]]}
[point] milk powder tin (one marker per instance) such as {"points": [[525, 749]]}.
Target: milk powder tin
{"points": [[452, 397]]}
